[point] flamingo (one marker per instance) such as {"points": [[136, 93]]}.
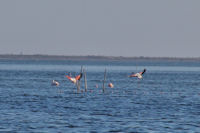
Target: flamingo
{"points": [[55, 83], [74, 80], [110, 85], [138, 75]]}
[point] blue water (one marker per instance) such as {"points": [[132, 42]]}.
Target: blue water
{"points": [[167, 99]]}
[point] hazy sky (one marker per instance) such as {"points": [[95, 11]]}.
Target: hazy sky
{"points": [[101, 27]]}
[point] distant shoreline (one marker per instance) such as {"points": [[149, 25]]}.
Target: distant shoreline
{"points": [[89, 57]]}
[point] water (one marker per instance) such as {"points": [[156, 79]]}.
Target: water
{"points": [[167, 99]]}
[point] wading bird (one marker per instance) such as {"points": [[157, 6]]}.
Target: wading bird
{"points": [[138, 75], [54, 83], [74, 80], [110, 85]]}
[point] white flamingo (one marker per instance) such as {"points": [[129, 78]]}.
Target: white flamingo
{"points": [[74, 80], [55, 83], [138, 75]]}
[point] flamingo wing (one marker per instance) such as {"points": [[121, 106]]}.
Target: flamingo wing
{"points": [[133, 75], [68, 77], [143, 71], [79, 76]]}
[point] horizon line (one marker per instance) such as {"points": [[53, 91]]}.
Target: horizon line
{"points": [[100, 56]]}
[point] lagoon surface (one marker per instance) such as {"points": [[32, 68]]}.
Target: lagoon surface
{"points": [[167, 99]]}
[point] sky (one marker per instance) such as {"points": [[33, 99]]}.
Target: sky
{"points": [[154, 28]]}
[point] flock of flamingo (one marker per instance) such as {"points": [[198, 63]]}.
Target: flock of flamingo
{"points": [[75, 79]]}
